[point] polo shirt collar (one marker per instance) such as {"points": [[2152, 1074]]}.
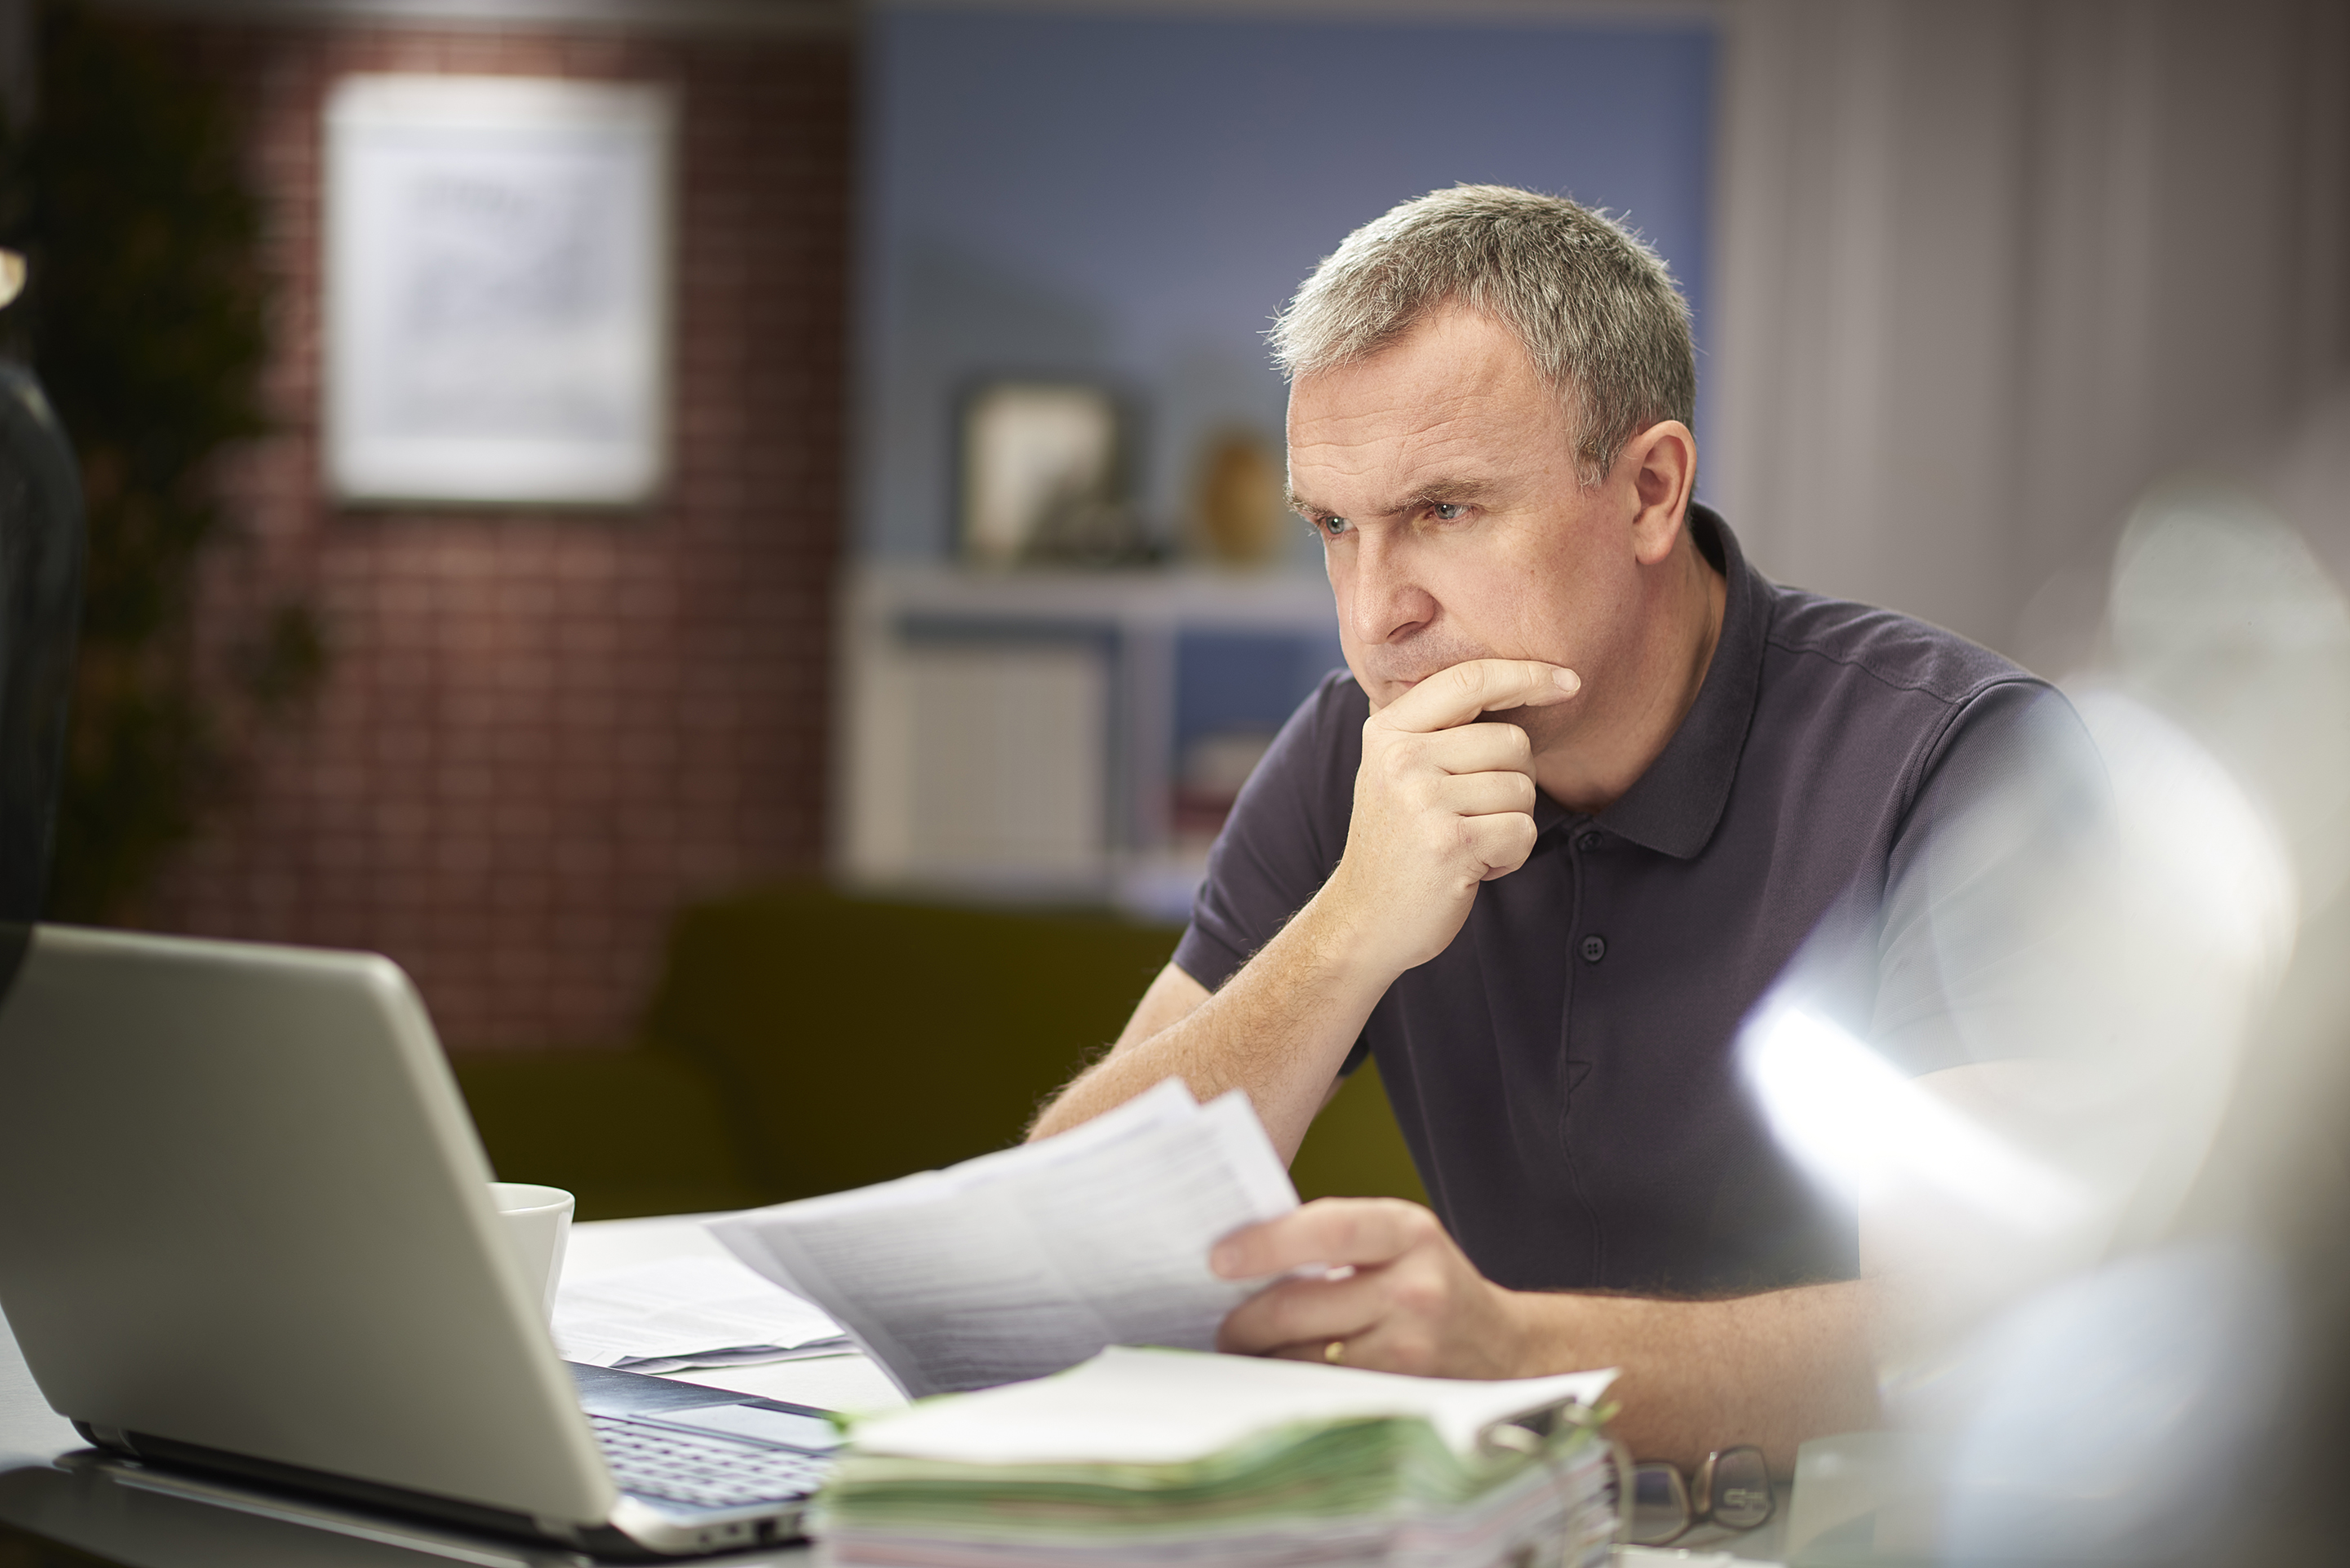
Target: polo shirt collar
{"points": [[1674, 806]]}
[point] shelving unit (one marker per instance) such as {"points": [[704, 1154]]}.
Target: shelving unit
{"points": [[1026, 733]]}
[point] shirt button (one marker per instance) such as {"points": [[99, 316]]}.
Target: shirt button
{"points": [[1588, 841], [1595, 948]]}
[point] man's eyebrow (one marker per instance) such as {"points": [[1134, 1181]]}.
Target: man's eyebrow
{"points": [[1434, 493], [1449, 492]]}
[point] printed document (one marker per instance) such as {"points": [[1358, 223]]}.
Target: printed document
{"points": [[1146, 1407], [678, 1312], [1020, 1263]]}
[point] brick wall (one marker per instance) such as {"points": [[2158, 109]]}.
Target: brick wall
{"points": [[542, 730]]}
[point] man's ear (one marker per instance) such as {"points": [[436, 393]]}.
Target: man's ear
{"points": [[1659, 467]]}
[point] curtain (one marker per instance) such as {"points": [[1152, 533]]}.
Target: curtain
{"points": [[1986, 267]]}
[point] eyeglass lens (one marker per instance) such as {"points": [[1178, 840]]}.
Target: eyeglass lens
{"points": [[1734, 1489], [1660, 1504]]}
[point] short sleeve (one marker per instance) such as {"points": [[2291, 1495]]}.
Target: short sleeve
{"points": [[1285, 837], [1974, 956]]}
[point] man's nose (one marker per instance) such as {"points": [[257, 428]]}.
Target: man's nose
{"points": [[1388, 602]]}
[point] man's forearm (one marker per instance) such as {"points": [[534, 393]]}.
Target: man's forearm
{"points": [[1279, 1029], [1444, 805], [1774, 1370]]}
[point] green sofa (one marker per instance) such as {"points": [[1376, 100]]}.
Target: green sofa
{"points": [[802, 1042]]}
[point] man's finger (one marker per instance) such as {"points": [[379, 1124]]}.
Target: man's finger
{"points": [[1500, 841], [1458, 694], [1381, 1347], [1483, 795], [1364, 1230], [1493, 747], [1301, 1312]]}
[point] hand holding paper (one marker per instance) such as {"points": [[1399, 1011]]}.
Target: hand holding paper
{"points": [[1020, 1263]]}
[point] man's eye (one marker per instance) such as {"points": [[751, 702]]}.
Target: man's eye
{"points": [[1446, 511], [1333, 526]]}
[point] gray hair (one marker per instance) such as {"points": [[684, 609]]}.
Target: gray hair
{"points": [[1595, 305]]}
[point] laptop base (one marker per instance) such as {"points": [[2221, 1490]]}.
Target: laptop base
{"points": [[412, 1525]]}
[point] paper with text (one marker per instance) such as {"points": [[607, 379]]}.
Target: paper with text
{"points": [[1025, 1262], [687, 1312]]}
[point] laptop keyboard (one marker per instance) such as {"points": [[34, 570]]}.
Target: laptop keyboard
{"points": [[705, 1472]]}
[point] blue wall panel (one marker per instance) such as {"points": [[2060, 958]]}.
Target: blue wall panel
{"points": [[1131, 200]]}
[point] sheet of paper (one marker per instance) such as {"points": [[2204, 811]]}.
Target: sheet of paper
{"points": [[1156, 1407], [748, 1355], [687, 1312], [1028, 1260]]}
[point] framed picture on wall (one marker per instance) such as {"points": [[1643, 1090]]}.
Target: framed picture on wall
{"points": [[496, 313], [1044, 479]]}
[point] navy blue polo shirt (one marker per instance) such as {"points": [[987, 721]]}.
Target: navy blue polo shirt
{"points": [[1565, 1072]]}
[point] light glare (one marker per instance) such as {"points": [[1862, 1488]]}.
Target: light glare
{"points": [[1858, 1125]]}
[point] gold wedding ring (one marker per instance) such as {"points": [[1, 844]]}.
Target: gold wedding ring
{"points": [[1335, 1353]]}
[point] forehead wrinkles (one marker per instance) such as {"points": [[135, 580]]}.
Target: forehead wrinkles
{"points": [[1380, 455], [1457, 398]]}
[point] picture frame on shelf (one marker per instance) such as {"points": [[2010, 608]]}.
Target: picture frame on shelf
{"points": [[1044, 476]]}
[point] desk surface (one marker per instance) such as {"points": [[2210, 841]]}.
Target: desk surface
{"points": [[97, 1512]]}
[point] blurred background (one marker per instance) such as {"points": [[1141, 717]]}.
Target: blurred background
{"points": [[739, 540]]}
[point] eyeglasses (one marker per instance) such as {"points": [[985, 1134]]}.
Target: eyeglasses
{"points": [[1733, 1490]]}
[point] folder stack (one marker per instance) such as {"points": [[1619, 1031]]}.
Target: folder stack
{"points": [[1177, 1456]]}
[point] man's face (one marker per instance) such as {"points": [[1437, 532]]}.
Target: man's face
{"points": [[1440, 475]]}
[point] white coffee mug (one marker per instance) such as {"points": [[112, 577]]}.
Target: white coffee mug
{"points": [[538, 1224]]}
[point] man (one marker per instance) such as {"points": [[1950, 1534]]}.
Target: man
{"points": [[1592, 785]]}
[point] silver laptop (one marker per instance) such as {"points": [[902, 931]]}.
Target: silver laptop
{"points": [[245, 1226]]}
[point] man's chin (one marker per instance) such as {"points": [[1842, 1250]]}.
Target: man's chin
{"points": [[1382, 693], [1383, 689]]}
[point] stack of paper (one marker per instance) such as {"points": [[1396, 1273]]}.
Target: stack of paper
{"points": [[1171, 1457], [1022, 1262], [687, 1312]]}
